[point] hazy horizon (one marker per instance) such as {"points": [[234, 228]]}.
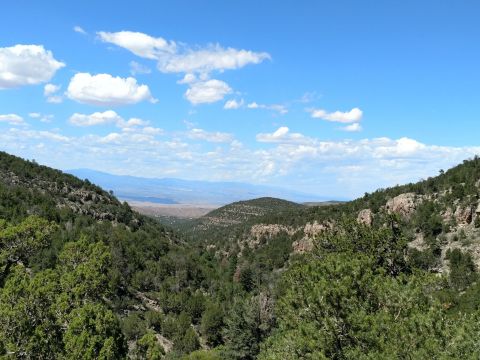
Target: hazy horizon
{"points": [[334, 99]]}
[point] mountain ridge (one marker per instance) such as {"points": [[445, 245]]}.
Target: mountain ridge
{"points": [[179, 191], [399, 265]]}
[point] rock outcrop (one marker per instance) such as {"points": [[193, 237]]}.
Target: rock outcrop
{"points": [[447, 215], [267, 231], [463, 215], [311, 230], [403, 204], [302, 246], [365, 217]]}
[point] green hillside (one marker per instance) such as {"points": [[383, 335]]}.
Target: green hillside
{"points": [[390, 275], [83, 276]]}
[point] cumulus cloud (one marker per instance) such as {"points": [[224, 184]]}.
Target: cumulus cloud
{"points": [[55, 99], [97, 118], [136, 68], [207, 91], [149, 130], [41, 117], [216, 137], [12, 119], [79, 29], [209, 59], [111, 117], [188, 79], [344, 168], [26, 65], [403, 147], [49, 91], [355, 127], [106, 90], [195, 62], [281, 109], [352, 116], [281, 135], [133, 122], [173, 58], [233, 104], [112, 137], [140, 44]]}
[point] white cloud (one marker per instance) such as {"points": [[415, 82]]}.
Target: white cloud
{"points": [[281, 135], [49, 91], [207, 91], [188, 79], [182, 59], [79, 30], [195, 62], [233, 104], [140, 44], [355, 127], [136, 68], [403, 147], [149, 130], [217, 137], [26, 65], [352, 116], [97, 118], [281, 109], [132, 125], [106, 90], [12, 119], [342, 168], [112, 137], [41, 117], [133, 122], [50, 136], [55, 99], [212, 58]]}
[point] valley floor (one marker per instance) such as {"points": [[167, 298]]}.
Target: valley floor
{"points": [[183, 211]]}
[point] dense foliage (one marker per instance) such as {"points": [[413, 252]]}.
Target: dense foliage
{"points": [[348, 304], [84, 276]]}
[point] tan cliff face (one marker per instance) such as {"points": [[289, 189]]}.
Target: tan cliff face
{"points": [[365, 217], [260, 234], [463, 215], [310, 231], [403, 204], [267, 231]]}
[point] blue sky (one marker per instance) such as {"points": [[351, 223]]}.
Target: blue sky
{"points": [[329, 97]]}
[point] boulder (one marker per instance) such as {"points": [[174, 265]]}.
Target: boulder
{"points": [[403, 204], [365, 217], [302, 246], [267, 231], [447, 215], [463, 215], [311, 230]]}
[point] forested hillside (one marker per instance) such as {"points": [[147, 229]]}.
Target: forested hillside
{"points": [[390, 275], [83, 276]]}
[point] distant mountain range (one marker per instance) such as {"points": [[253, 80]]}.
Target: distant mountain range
{"points": [[178, 191]]}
